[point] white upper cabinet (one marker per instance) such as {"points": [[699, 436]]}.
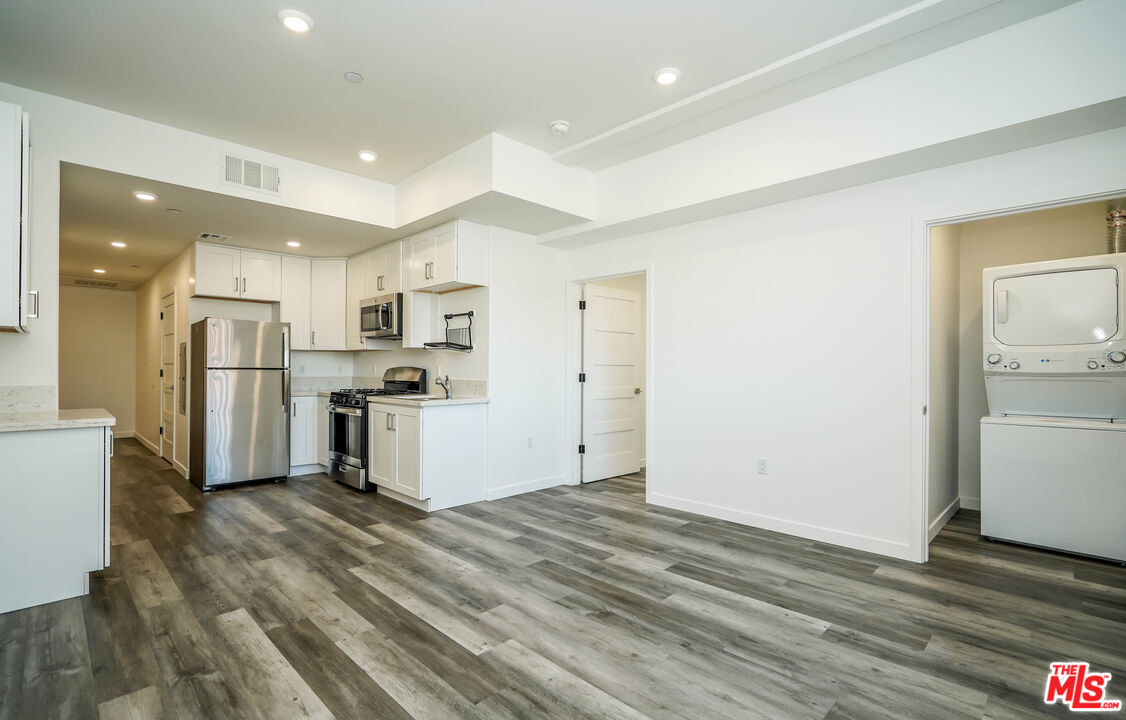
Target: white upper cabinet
{"points": [[327, 314], [355, 293], [295, 301], [261, 276], [391, 281], [15, 248], [228, 272], [449, 257], [217, 271]]}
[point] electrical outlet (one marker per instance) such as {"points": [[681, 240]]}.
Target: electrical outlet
{"points": [[531, 442], [762, 467], [301, 369]]}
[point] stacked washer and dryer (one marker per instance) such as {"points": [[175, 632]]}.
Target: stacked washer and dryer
{"points": [[1053, 448]]}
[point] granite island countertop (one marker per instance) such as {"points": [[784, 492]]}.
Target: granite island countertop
{"points": [[55, 420]]}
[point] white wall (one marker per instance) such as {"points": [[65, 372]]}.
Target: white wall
{"points": [[527, 363], [98, 352], [807, 311], [636, 283], [1074, 231], [942, 443]]}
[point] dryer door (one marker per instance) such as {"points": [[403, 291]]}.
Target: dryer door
{"points": [[1075, 307]]}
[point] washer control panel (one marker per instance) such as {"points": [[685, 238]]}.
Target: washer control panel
{"points": [[1055, 363]]}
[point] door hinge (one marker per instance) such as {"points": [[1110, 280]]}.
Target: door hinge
{"points": [[582, 377], [162, 316], [162, 372], [582, 449], [161, 430], [924, 409], [582, 304]]}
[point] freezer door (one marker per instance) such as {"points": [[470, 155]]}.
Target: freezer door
{"points": [[247, 425], [246, 344], [1056, 308]]}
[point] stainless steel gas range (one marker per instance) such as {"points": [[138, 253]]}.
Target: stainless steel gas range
{"points": [[348, 423]]}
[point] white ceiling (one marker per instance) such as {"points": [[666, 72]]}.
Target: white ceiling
{"points": [[439, 73], [97, 207]]}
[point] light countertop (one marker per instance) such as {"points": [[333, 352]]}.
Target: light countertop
{"points": [[309, 393], [55, 420], [426, 401]]}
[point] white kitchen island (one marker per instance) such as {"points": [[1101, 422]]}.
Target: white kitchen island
{"points": [[54, 504], [428, 452]]}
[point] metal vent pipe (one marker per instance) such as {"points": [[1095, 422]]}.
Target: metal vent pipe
{"points": [[1116, 226]]}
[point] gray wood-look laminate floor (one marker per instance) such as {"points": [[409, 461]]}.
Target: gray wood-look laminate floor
{"points": [[306, 599]]}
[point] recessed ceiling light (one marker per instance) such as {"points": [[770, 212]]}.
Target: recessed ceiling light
{"points": [[353, 77], [367, 156], [293, 243], [666, 76], [296, 20], [145, 195], [100, 271], [174, 211], [117, 243]]}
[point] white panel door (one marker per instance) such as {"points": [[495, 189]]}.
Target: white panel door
{"points": [[167, 375], [303, 431], [444, 269], [261, 276], [407, 430], [381, 447], [327, 312], [294, 307], [392, 277], [611, 355], [217, 271], [1060, 308], [373, 273], [421, 260]]}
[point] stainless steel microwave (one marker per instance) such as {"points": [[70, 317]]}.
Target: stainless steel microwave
{"points": [[382, 317]]}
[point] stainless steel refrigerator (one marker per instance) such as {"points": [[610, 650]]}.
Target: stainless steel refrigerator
{"points": [[240, 402]]}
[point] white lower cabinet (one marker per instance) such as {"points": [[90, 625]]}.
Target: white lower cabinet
{"points": [[432, 454], [302, 431], [322, 430]]}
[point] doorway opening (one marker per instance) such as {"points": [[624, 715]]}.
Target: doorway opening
{"points": [[612, 372], [956, 387]]}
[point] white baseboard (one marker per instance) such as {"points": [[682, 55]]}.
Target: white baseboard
{"points": [[855, 541], [180, 468], [970, 503], [423, 505], [153, 447], [642, 462], [120, 434], [524, 487], [305, 469], [943, 517]]}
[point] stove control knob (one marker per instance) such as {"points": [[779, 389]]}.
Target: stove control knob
{"points": [[1117, 357], [993, 358], [1014, 365], [1093, 364]]}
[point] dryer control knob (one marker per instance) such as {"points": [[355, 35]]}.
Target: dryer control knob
{"points": [[1093, 364], [1118, 357], [993, 358], [1014, 365]]}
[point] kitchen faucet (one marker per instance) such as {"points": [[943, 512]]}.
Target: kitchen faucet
{"points": [[445, 384]]}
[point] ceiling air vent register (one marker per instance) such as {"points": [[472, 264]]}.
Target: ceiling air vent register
{"points": [[251, 174], [212, 237]]}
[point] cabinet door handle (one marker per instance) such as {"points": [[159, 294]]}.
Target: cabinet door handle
{"points": [[294, 409], [394, 422], [388, 423], [236, 283], [34, 294], [244, 284], [313, 338]]}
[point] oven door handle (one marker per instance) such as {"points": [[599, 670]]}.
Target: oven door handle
{"points": [[345, 411]]}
